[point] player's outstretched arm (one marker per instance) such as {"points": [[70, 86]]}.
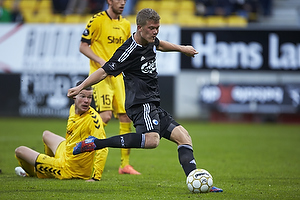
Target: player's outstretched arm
{"points": [[94, 78], [167, 46]]}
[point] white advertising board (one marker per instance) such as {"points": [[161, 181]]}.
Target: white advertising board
{"points": [[54, 48]]}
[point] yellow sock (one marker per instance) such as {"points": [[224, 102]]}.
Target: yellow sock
{"points": [[29, 169], [125, 128]]}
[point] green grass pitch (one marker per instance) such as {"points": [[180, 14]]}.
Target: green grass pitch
{"points": [[248, 161]]}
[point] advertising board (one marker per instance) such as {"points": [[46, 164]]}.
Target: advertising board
{"points": [[243, 49]]}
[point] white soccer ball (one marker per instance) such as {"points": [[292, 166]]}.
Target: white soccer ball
{"points": [[199, 181]]}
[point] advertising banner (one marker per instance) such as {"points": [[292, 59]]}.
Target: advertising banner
{"points": [[55, 49], [36, 94], [267, 99], [40, 62], [45, 94], [246, 49], [42, 48]]}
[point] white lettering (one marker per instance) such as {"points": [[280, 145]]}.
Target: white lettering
{"points": [[54, 49], [210, 94], [285, 56], [259, 94], [226, 55]]}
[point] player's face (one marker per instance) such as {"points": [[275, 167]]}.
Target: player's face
{"points": [[149, 31], [83, 101], [118, 6]]}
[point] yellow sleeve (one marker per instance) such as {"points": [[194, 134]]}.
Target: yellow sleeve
{"points": [[92, 28]]}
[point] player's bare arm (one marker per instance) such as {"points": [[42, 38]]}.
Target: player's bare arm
{"points": [[167, 46], [94, 78], [85, 49]]}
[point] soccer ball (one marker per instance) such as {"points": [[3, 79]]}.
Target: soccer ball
{"points": [[199, 181]]}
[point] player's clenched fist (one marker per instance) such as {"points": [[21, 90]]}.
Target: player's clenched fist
{"points": [[189, 51], [72, 92]]}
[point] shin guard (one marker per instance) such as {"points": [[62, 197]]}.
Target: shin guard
{"points": [[186, 158]]}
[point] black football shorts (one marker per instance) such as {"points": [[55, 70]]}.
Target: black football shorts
{"points": [[149, 117]]}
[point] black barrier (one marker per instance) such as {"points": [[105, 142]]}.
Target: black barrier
{"points": [[246, 49], [44, 94], [34, 94], [9, 97]]}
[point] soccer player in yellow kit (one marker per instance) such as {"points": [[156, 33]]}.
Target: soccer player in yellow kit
{"points": [[58, 160], [104, 33]]}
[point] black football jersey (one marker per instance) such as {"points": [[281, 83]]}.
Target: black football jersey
{"points": [[138, 65]]}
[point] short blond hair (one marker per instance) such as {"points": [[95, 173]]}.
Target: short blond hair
{"points": [[145, 15]]}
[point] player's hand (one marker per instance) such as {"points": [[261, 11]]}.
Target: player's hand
{"points": [[189, 51], [72, 92]]}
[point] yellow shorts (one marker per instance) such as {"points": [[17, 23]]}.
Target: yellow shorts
{"points": [[109, 94], [52, 167]]}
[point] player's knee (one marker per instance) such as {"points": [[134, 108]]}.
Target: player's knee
{"points": [[152, 140], [46, 134], [181, 136], [187, 139], [19, 150]]}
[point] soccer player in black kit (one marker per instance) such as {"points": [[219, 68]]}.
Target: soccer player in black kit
{"points": [[136, 59]]}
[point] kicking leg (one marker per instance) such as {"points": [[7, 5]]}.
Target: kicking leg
{"points": [[183, 140], [180, 136], [130, 140]]}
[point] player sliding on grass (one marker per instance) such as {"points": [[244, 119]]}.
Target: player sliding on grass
{"points": [[136, 59], [58, 160]]}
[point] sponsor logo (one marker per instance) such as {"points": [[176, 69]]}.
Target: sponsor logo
{"points": [[203, 180], [225, 55], [294, 93], [283, 56], [115, 40], [122, 141], [201, 174], [261, 94], [89, 140], [148, 67], [193, 161], [86, 32], [210, 94], [44, 94], [112, 66], [217, 54]]}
